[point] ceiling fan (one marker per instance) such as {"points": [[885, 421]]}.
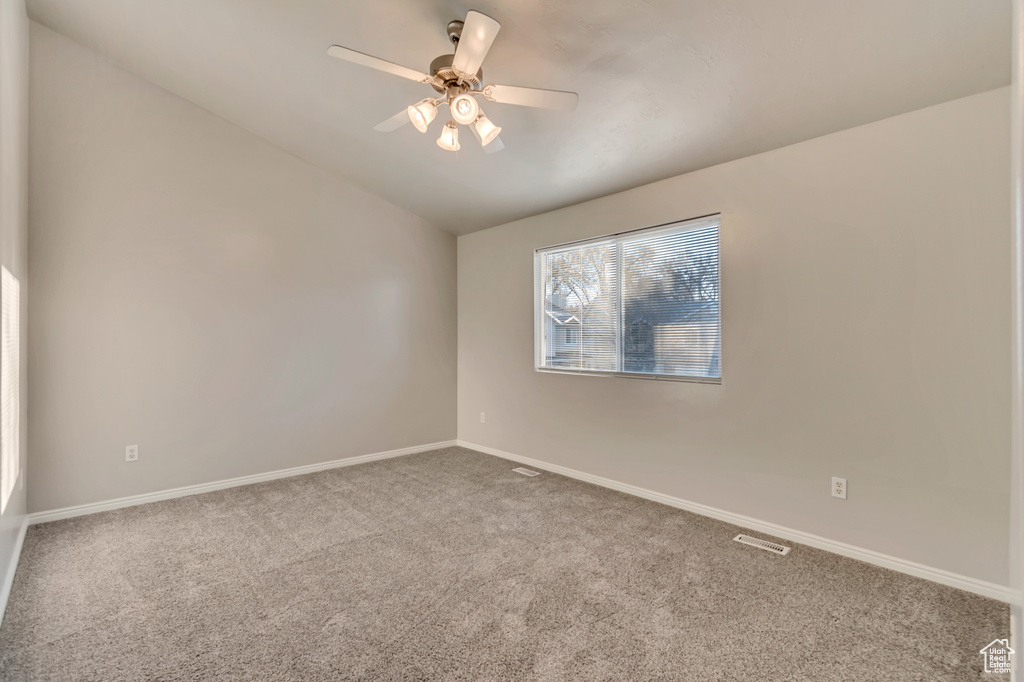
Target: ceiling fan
{"points": [[459, 80]]}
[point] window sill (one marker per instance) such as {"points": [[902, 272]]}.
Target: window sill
{"points": [[631, 375]]}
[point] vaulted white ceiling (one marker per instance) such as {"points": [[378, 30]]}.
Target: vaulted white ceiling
{"points": [[666, 86]]}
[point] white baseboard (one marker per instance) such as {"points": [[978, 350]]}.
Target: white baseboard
{"points": [[981, 587], [96, 507], [985, 589], [12, 566]]}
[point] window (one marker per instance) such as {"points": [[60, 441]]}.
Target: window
{"points": [[641, 303], [10, 371]]}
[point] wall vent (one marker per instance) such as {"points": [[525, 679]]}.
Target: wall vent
{"points": [[526, 472], [774, 547]]}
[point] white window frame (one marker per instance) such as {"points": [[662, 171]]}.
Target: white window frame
{"points": [[10, 386], [539, 296]]}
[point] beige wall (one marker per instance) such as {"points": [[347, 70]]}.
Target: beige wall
{"points": [[14, 39], [229, 308], [866, 327]]}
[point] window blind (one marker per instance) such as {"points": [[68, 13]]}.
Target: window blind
{"points": [[641, 303]]}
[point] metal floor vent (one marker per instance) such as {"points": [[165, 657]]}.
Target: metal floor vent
{"points": [[526, 472], [781, 550]]}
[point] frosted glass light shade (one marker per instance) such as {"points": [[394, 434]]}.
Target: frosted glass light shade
{"points": [[422, 113], [449, 137], [464, 109], [485, 129]]}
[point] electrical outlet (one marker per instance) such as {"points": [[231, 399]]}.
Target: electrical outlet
{"points": [[839, 488], [131, 453], [481, 417]]}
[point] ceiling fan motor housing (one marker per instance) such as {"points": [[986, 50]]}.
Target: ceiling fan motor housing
{"points": [[442, 69]]}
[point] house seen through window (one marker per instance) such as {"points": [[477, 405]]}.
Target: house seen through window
{"points": [[640, 303]]}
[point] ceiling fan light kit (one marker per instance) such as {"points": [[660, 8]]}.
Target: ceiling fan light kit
{"points": [[449, 139], [464, 109], [422, 113], [485, 130], [459, 79]]}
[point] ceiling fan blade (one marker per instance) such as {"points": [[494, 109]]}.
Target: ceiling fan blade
{"points": [[478, 33], [495, 146], [379, 64], [531, 97], [393, 123]]}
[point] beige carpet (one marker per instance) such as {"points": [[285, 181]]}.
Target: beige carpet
{"points": [[449, 566]]}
